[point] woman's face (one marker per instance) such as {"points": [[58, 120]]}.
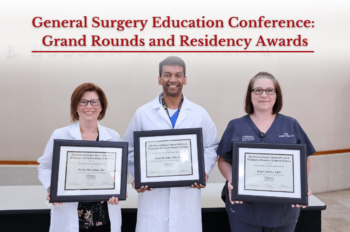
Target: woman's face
{"points": [[89, 113], [263, 102]]}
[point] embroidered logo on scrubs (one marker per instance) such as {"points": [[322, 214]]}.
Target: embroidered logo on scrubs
{"points": [[286, 135], [248, 138]]}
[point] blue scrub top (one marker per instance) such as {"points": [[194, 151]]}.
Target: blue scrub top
{"points": [[174, 117], [284, 129]]}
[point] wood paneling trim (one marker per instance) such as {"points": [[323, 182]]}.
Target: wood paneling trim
{"points": [[331, 152], [20, 162]]}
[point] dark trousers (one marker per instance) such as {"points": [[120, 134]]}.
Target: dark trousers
{"points": [[238, 226]]}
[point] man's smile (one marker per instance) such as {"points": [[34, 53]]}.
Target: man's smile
{"points": [[172, 85]]}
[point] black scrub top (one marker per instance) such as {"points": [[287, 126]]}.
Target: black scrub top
{"points": [[284, 129]]}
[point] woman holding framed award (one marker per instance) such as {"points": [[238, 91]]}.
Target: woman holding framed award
{"points": [[262, 124], [88, 106]]}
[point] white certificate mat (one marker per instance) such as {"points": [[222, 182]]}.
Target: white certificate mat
{"points": [[267, 172], [168, 158], [89, 171], [180, 158]]}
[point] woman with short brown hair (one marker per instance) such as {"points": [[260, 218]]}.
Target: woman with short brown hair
{"points": [[88, 106]]}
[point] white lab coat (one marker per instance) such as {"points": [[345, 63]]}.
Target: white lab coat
{"points": [[64, 218], [172, 209]]}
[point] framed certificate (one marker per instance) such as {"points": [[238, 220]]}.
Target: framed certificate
{"points": [[269, 173], [169, 158], [84, 171]]}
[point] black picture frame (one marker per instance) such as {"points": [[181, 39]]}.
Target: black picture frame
{"points": [[282, 198], [59, 143], [162, 134]]}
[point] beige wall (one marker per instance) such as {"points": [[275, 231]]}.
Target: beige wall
{"points": [[37, 93], [36, 89], [329, 172]]}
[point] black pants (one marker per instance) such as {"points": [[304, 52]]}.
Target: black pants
{"points": [[104, 228], [238, 226]]}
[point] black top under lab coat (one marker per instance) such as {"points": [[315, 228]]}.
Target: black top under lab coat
{"points": [[284, 129]]}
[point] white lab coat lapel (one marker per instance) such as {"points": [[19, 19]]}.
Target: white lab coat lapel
{"points": [[103, 134], [161, 111], [186, 105], [76, 134], [74, 131]]}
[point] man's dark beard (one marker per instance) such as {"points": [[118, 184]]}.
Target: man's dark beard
{"points": [[172, 94]]}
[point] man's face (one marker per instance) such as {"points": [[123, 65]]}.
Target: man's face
{"points": [[172, 80]]}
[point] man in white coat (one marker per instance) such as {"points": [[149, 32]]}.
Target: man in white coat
{"points": [[172, 209]]}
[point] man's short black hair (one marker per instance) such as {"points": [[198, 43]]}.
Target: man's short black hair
{"points": [[172, 60]]}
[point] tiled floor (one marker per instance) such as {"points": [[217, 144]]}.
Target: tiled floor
{"points": [[336, 218]]}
